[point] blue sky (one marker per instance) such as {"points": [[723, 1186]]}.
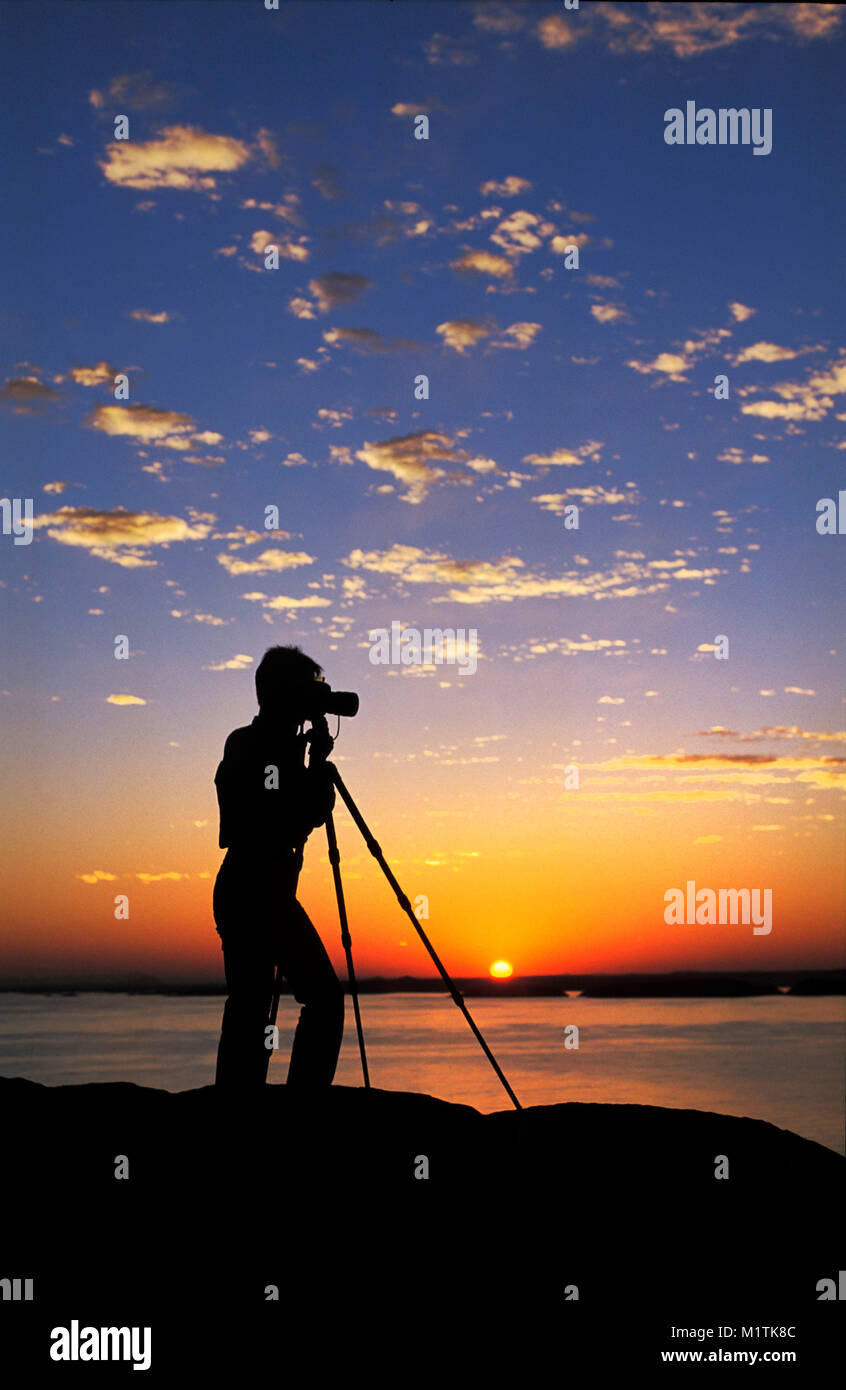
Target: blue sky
{"points": [[293, 387]]}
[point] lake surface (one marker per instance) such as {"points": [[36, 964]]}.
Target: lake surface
{"points": [[776, 1058]]}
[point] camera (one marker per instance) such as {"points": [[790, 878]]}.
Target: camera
{"points": [[321, 700]]}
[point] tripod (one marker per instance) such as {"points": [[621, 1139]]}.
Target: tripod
{"points": [[375, 850]]}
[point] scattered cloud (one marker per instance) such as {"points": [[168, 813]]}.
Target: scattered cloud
{"points": [[235, 663], [483, 263], [567, 457], [183, 157], [26, 395], [337, 288], [268, 562], [508, 187], [122, 537]]}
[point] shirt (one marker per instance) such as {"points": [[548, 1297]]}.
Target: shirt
{"points": [[268, 799]]}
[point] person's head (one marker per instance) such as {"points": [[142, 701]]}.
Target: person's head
{"points": [[282, 677]]}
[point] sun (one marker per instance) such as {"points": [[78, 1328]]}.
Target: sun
{"points": [[501, 969]]}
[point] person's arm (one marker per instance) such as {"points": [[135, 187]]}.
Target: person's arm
{"points": [[269, 797]]}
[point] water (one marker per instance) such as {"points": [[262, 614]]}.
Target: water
{"points": [[777, 1058]]}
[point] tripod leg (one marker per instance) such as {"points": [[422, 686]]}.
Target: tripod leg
{"points": [[346, 940], [404, 903]]}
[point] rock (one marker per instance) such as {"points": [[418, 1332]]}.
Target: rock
{"points": [[324, 1198]]}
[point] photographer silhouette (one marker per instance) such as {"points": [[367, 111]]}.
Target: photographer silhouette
{"points": [[270, 802]]}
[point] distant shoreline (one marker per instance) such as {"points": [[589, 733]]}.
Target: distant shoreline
{"points": [[675, 985]]}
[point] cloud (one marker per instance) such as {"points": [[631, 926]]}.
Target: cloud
{"points": [[595, 496], [135, 91], [508, 187], [97, 876], [337, 288], [168, 429], [93, 376], [811, 399], [408, 458], [335, 418], [25, 395], [281, 602], [442, 50], [122, 537], [287, 247], [521, 232], [690, 30], [764, 352], [562, 244], [327, 181], [507, 579], [148, 316], [483, 263], [567, 457], [183, 157], [555, 32], [608, 313], [57, 487], [145, 422], [364, 340], [125, 700], [497, 18], [741, 312], [268, 562], [734, 777], [235, 663], [775, 732], [461, 334], [670, 364], [735, 455], [518, 335]]}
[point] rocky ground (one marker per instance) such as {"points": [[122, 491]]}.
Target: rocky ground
{"points": [[560, 1237]]}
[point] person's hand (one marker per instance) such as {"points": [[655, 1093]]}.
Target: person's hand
{"points": [[320, 742]]}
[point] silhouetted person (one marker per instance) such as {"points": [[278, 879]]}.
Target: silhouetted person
{"points": [[270, 801]]}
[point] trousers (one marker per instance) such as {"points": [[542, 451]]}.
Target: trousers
{"points": [[262, 926]]}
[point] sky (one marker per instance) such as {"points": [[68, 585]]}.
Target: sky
{"points": [[658, 695]]}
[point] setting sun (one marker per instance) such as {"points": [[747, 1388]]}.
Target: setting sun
{"points": [[501, 969]]}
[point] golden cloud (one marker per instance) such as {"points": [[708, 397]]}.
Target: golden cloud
{"points": [[483, 263], [268, 562], [182, 156], [461, 334], [121, 536], [506, 579], [567, 457], [505, 188], [93, 376]]}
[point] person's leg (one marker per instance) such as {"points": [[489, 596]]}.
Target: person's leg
{"points": [[242, 1054], [305, 963], [248, 960]]}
